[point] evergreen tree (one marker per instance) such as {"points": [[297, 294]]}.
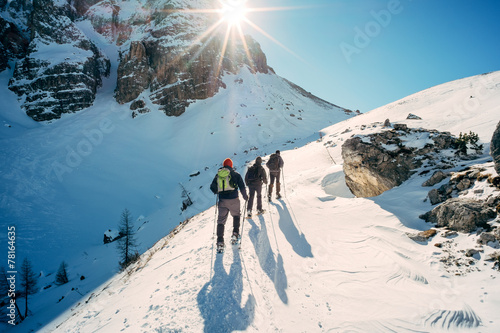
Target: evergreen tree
{"points": [[127, 243], [466, 141], [28, 282], [62, 274]]}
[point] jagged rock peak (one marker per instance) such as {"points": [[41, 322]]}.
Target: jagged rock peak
{"points": [[182, 57], [62, 69]]}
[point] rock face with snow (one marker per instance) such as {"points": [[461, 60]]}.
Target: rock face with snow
{"points": [[495, 148], [178, 67], [12, 43], [460, 214], [378, 162], [171, 53], [14, 35], [62, 69]]}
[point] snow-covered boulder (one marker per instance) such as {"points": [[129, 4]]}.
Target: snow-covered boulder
{"points": [[378, 162]]}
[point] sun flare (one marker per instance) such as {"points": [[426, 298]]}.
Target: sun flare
{"points": [[233, 11]]}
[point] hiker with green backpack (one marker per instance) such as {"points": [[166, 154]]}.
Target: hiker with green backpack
{"points": [[274, 164], [254, 178], [226, 184]]}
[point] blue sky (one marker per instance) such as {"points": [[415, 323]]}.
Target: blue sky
{"points": [[362, 54]]}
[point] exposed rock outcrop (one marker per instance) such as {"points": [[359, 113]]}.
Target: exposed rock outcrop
{"points": [[175, 76], [437, 177], [495, 148], [65, 79], [378, 162], [14, 34], [12, 43], [459, 183], [460, 214], [423, 236]]}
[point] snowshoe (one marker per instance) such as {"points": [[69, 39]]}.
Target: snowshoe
{"points": [[220, 247], [235, 239]]}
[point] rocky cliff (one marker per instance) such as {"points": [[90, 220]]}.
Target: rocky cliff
{"points": [[62, 69], [170, 52]]}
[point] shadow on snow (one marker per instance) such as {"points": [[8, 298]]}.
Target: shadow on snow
{"points": [[273, 268], [219, 300], [298, 241]]}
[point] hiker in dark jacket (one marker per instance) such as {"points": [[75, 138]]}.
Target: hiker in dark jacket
{"points": [[226, 184], [274, 164], [255, 177]]}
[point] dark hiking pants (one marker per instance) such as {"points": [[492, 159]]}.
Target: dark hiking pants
{"points": [[274, 175], [255, 189]]}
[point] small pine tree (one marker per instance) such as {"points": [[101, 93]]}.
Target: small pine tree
{"points": [[62, 274], [28, 282], [127, 244], [465, 141]]}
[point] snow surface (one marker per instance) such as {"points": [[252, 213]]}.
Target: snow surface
{"points": [[318, 261]]}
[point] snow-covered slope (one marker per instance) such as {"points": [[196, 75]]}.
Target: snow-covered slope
{"points": [[63, 184], [317, 261]]}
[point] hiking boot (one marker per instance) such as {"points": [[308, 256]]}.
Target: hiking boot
{"points": [[260, 211], [278, 196], [235, 239], [249, 216], [220, 247]]}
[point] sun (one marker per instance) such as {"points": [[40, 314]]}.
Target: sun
{"points": [[233, 11], [232, 18]]}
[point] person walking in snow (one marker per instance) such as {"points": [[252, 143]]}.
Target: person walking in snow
{"points": [[226, 184], [274, 164], [254, 178]]}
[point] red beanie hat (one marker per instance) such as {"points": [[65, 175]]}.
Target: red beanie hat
{"points": [[228, 162]]}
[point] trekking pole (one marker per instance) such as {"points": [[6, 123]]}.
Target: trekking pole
{"points": [[213, 235], [243, 223], [283, 176]]}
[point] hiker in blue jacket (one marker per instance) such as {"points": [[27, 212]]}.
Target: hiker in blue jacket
{"points": [[226, 184]]}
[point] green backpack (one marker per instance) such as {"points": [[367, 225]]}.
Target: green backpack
{"points": [[224, 181]]}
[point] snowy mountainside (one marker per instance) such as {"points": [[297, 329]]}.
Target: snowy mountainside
{"points": [[65, 183], [319, 260]]}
